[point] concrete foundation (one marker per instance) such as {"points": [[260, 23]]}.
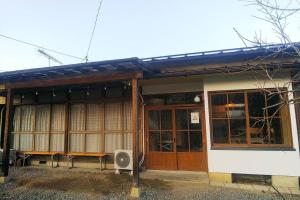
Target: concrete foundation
{"points": [[220, 177], [188, 176], [78, 162], [285, 181]]}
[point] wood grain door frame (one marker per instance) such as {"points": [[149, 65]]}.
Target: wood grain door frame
{"points": [[173, 108]]}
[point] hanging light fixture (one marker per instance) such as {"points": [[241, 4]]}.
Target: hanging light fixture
{"points": [[36, 93], [197, 99], [87, 91], [53, 93]]}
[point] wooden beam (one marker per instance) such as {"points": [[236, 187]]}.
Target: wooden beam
{"points": [[79, 79], [135, 131], [7, 124]]}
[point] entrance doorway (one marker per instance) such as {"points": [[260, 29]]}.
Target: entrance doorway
{"points": [[175, 138]]}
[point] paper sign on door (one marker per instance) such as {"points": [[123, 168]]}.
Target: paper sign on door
{"points": [[195, 117]]}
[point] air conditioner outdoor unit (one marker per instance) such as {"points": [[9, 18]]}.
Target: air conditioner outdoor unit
{"points": [[123, 160]]}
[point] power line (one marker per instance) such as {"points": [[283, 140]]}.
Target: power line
{"points": [[40, 47], [92, 35]]}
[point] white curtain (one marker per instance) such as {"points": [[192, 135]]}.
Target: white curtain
{"points": [[27, 128], [16, 127], [89, 124], [127, 125], [77, 127], [94, 127], [57, 137], [113, 127], [42, 127]]}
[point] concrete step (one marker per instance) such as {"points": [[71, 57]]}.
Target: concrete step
{"points": [[180, 176]]}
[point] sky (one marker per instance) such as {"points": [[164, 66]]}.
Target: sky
{"points": [[125, 28]]}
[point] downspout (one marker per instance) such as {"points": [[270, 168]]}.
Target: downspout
{"points": [[1, 123], [143, 131]]}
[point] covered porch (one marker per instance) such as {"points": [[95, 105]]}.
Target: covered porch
{"points": [[79, 111]]}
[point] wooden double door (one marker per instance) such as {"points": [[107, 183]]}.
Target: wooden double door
{"points": [[175, 138]]}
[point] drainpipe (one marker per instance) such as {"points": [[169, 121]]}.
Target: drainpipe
{"points": [[1, 123]]}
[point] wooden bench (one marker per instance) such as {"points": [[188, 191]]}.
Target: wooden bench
{"points": [[72, 155], [26, 154]]}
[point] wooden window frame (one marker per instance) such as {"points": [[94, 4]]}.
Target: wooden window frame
{"points": [[248, 144]]}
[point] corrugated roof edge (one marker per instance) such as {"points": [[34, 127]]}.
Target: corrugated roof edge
{"points": [[72, 66], [266, 48], [143, 62]]}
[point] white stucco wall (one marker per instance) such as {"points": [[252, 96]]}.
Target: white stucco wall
{"points": [[275, 162]]}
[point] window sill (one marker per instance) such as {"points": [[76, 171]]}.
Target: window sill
{"points": [[254, 148]]}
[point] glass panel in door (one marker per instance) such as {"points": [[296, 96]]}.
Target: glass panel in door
{"points": [[161, 153], [188, 130]]}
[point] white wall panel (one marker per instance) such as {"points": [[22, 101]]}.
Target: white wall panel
{"points": [[271, 162]]}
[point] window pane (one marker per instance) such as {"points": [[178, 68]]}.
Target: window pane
{"points": [[182, 141], [181, 119], [258, 128], [275, 132], [42, 118], [166, 141], [238, 131], [236, 98], [236, 106], [153, 120], [219, 99], [273, 105], [236, 111], [27, 118], [166, 119], [220, 131], [94, 117], [196, 122], [219, 102], [256, 103], [154, 141], [196, 140], [77, 118]]}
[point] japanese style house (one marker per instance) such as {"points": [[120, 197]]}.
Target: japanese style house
{"points": [[215, 111]]}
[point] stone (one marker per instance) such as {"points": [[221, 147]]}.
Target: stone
{"points": [[285, 181], [220, 177]]}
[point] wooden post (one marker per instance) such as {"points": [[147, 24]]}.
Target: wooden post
{"points": [[135, 131], [7, 124]]}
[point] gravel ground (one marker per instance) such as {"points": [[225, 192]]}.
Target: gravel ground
{"points": [[40, 183]]}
